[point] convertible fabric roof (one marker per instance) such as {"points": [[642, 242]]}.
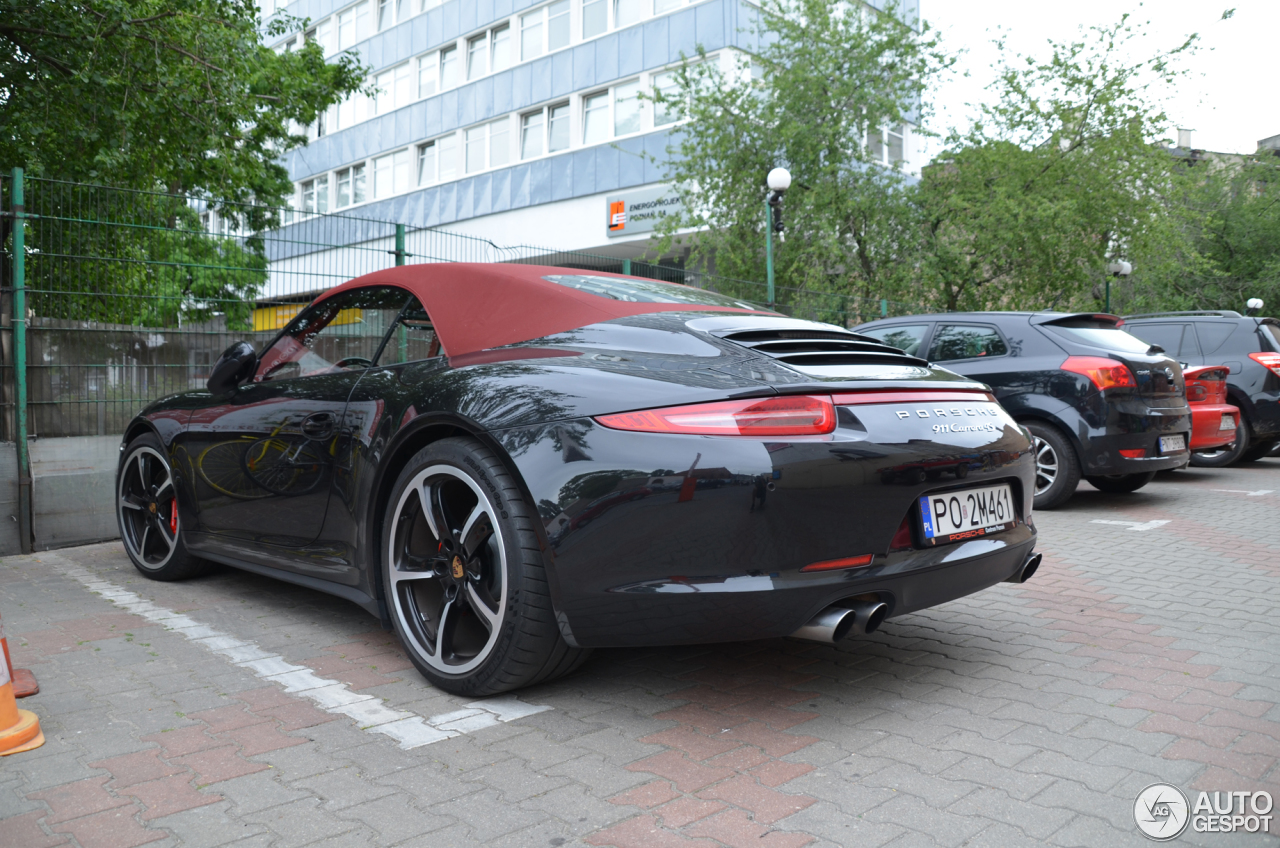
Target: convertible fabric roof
{"points": [[476, 306]]}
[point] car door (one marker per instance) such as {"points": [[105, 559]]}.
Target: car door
{"points": [[264, 457], [389, 396]]}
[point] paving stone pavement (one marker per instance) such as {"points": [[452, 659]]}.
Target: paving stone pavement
{"points": [[1023, 715]]}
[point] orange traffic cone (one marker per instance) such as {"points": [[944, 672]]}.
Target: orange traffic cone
{"points": [[24, 682], [19, 729]]}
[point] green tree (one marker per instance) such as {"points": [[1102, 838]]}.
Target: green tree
{"points": [[155, 94], [171, 105], [1228, 208], [1061, 175], [824, 78]]}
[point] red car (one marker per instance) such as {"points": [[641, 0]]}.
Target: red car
{"points": [[1213, 420]]}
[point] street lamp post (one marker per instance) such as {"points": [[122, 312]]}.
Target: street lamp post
{"points": [[1116, 269], [779, 180]]}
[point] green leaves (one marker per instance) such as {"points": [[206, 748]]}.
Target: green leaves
{"points": [[155, 94]]}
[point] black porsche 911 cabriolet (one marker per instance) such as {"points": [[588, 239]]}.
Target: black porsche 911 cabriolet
{"points": [[511, 464]]}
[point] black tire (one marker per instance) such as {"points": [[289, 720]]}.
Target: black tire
{"points": [[148, 515], [1229, 455], [470, 602], [1257, 452], [1120, 484], [1057, 466]]}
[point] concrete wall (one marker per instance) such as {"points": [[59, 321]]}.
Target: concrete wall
{"points": [[73, 481]]}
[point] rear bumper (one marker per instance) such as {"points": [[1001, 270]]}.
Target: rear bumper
{"points": [[670, 611], [657, 539], [1129, 426], [1206, 422]]}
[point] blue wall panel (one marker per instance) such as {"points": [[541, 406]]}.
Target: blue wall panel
{"points": [[606, 62], [584, 72], [657, 50], [630, 51]]}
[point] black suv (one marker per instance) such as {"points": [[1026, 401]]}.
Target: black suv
{"points": [[1250, 346], [1099, 403]]}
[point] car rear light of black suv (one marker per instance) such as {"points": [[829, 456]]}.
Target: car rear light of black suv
{"points": [[1103, 372], [1268, 359]]}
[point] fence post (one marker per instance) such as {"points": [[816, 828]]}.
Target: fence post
{"points": [[884, 308], [20, 364], [626, 267], [400, 244]]}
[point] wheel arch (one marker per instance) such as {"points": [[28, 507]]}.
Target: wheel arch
{"points": [[413, 438]]}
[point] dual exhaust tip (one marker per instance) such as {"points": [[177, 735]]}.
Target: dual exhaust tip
{"points": [[837, 623]]}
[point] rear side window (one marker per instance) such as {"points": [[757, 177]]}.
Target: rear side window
{"points": [[965, 341], [1213, 334], [905, 337], [1099, 334], [1178, 340], [1272, 330]]}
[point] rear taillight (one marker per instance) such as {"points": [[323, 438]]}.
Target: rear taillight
{"points": [[1133, 453], [1105, 373], [837, 564], [794, 415], [1268, 359]]}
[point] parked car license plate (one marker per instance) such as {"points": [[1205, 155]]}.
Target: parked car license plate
{"points": [[966, 514], [1228, 423], [1172, 444]]}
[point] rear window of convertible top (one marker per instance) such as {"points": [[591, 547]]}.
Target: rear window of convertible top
{"points": [[645, 291]]}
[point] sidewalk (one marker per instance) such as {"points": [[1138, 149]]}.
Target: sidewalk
{"points": [[235, 710]]}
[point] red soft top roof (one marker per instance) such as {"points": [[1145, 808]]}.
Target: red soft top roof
{"points": [[476, 306]]}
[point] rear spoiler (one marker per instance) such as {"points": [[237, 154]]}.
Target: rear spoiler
{"points": [[1064, 317]]}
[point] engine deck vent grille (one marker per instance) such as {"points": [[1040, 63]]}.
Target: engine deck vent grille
{"points": [[821, 347]]}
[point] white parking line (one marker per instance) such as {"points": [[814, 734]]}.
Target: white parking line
{"points": [[1140, 526], [371, 714], [1256, 494]]}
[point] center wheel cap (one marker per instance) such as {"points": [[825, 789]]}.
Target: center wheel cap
{"points": [[456, 567], [152, 507]]}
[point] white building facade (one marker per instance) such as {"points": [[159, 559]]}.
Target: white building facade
{"points": [[514, 120]]}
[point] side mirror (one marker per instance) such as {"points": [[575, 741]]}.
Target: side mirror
{"points": [[232, 368]]}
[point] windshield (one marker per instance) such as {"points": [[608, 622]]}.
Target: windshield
{"points": [[645, 291]]}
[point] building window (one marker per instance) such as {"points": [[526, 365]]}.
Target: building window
{"points": [[533, 128], [478, 56], [353, 26], [546, 130], [626, 108], [661, 7], [429, 4], [349, 112], [350, 187], [544, 30], [627, 12], [394, 89], [389, 12], [391, 174], [558, 127], [315, 195], [488, 146], [595, 118], [595, 18], [428, 74], [887, 146], [322, 34], [448, 68], [667, 85], [437, 160], [500, 49]]}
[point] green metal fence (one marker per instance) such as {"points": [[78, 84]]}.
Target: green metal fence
{"points": [[110, 298]]}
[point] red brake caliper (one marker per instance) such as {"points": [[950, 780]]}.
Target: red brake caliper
{"points": [[173, 516]]}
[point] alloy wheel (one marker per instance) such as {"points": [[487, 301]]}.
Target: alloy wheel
{"points": [[448, 570], [148, 506], [1046, 465]]}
